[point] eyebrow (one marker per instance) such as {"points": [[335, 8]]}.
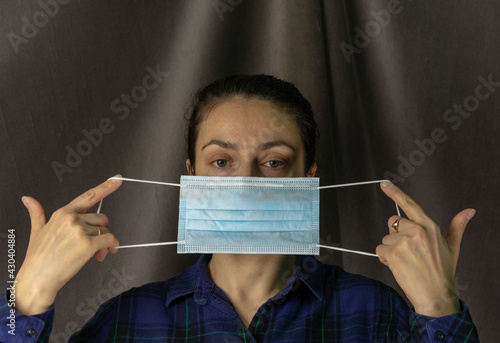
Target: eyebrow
{"points": [[232, 146], [271, 144], [222, 144]]}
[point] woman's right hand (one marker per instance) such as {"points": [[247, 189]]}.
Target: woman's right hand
{"points": [[58, 249]]}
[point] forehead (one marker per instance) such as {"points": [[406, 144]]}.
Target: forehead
{"points": [[248, 121]]}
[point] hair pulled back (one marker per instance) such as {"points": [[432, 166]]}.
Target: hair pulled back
{"points": [[263, 87]]}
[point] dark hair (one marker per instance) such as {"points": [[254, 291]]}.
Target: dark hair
{"points": [[263, 87]]}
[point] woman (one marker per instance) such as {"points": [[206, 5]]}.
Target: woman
{"points": [[251, 126]]}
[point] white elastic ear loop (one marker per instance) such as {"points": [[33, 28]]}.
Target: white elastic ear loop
{"points": [[184, 242], [348, 185], [146, 181], [149, 244], [145, 244], [137, 180], [361, 183], [346, 250]]}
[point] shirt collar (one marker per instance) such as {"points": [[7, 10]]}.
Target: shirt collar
{"points": [[309, 271], [195, 280]]}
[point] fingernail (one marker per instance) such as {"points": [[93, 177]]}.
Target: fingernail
{"points": [[116, 181], [470, 214], [386, 184], [26, 201]]}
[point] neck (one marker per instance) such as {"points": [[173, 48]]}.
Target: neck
{"points": [[250, 280]]}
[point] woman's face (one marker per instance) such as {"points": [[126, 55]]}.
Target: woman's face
{"points": [[248, 137]]}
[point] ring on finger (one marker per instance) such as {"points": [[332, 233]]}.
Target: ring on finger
{"points": [[98, 231], [395, 225]]}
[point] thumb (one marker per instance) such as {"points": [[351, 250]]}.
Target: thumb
{"points": [[37, 214], [457, 228]]}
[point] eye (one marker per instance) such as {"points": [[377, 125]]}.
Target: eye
{"points": [[220, 163], [274, 164]]}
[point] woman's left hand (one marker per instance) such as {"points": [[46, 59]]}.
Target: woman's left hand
{"points": [[422, 261]]}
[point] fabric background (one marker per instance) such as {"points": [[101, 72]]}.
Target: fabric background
{"points": [[393, 85]]}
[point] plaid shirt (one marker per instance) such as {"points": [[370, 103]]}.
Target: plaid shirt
{"points": [[320, 303]]}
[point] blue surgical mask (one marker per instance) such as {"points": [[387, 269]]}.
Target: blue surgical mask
{"points": [[249, 215]]}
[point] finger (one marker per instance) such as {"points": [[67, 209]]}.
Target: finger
{"points": [[36, 212], [403, 225], [457, 228], [105, 241], [382, 251], [101, 255], [407, 204], [390, 239], [392, 221], [95, 219], [94, 230], [393, 240], [87, 200]]}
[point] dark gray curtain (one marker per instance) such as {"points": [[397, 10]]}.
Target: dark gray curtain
{"points": [[402, 90]]}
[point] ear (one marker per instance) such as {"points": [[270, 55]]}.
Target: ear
{"points": [[312, 170], [189, 167]]}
